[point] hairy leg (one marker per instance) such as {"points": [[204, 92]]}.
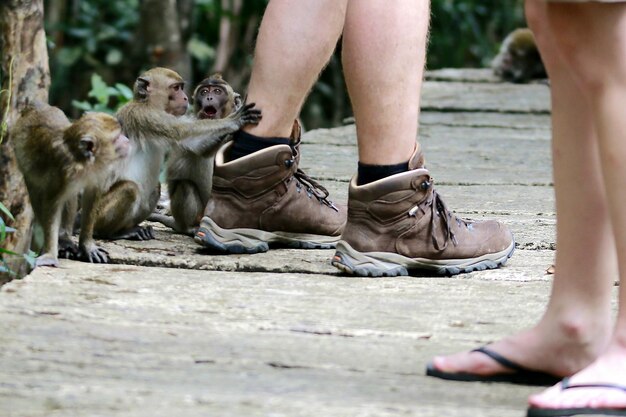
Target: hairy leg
{"points": [[295, 41], [384, 49], [50, 220], [67, 248], [186, 205], [118, 214], [576, 325], [593, 37]]}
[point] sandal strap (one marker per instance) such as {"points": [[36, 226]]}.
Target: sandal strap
{"points": [[565, 384], [507, 363]]}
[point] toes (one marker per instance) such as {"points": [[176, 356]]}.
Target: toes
{"points": [[440, 364], [99, 256], [145, 233], [557, 398], [468, 362], [547, 398]]}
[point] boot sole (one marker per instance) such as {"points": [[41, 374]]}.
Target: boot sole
{"points": [[387, 264], [211, 236]]}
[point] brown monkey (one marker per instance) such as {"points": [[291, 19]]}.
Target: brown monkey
{"points": [[152, 121], [190, 176], [518, 60], [60, 159]]}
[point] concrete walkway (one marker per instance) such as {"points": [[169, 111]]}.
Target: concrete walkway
{"points": [[168, 331]]}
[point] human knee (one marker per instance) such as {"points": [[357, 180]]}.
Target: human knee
{"points": [[577, 47], [536, 16]]}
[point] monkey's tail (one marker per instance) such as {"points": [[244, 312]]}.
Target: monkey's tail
{"points": [[163, 219]]}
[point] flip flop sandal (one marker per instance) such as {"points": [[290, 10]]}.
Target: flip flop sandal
{"points": [[521, 375], [563, 412]]}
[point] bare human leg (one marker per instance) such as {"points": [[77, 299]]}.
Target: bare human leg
{"points": [[383, 56], [593, 37], [383, 64], [575, 328], [296, 40]]}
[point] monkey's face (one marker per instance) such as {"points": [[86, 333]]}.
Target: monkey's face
{"points": [[211, 101], [178, 103]]}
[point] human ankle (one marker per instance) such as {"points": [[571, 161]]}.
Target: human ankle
{"points": [[369, 173], [583, 332], [245, 143]]}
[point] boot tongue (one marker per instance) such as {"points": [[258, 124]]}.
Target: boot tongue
{"points": [[295, 139], [417, 160]]}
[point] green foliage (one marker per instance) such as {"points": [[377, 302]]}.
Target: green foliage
{"points": [[93, 36], [97, 36], [467, 33], [207, 16], [98, 31], [105, 96], [200, 50], [3, 226], [4, 230]]}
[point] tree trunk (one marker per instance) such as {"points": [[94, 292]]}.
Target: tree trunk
{"points": [[162, 36], [229, 34], [24, 60]]}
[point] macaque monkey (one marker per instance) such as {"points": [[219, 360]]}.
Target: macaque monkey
{"points": [[190, 176], [518, 60], [154, 121], [59, 160]]}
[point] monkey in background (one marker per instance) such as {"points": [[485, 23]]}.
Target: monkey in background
{"points": [[518, 60], [189, 175], [154, 121], [58, 160]]}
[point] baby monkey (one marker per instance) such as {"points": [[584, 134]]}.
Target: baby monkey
{"points": [[59, 160], [190, 176]]}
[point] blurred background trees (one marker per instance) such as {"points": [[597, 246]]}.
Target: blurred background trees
{"points": [[117, 39]]}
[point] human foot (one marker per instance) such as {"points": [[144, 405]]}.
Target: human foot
{"points": [[515, 373], [554, 354], [599, 389]]}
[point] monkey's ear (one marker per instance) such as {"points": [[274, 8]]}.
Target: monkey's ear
{"points": [[87, 146], [237, 100], [142, 89]]}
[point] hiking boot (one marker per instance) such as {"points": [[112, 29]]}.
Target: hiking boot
{"points": [[264, 198], [400, 223]]}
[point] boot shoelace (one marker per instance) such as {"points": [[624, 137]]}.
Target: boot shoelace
{"points": [[438, 209], [313, 188]]}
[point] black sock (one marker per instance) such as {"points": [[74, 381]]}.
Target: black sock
{"points": [[244, 144], [370, 173]]}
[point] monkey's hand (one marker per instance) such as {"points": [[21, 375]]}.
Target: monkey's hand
{"points": [[247, 114], [135, 233], [67, 248], [93, 254], [141, 233]]}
